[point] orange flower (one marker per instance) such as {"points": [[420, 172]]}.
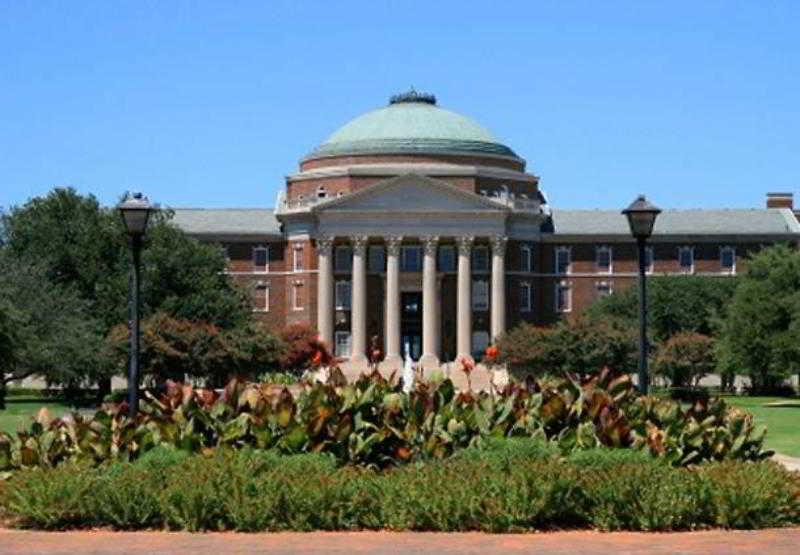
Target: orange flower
{"points": [[467, 366], [492, 352], [316, 360], [403, 453]]}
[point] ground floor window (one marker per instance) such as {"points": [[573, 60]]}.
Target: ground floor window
{"points": [[344, 294], [297, 295], [480, 341], [525, 297], [563, 296], [342, 344], [603, 289], [261, 297]]}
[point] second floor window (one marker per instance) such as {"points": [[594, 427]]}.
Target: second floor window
{"points": [[343, 259], [727, 259], [377, 260], [261, 258], [447, 258], [343, 295], [298, 258], [525, 258], [480, 295], [603, 259], [480, 259], [686, 259], [563, 260], [603, 289], [411, 258]]}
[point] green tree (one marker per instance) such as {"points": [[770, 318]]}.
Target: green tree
{"points": [[577, 346], [685, 358], [82, 247], [50, 330], [760, 334], [674, 303]]}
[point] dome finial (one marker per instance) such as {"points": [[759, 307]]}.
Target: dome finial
{"points": [[413, 96]]}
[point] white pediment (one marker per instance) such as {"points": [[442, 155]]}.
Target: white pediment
{"points": [[411, 193]]}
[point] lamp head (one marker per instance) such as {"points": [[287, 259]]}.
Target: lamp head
{"points": [[641, 217], [135, 211]]}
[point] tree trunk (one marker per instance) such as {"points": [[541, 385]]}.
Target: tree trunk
{"points": [[2, 394], [103, 389]]}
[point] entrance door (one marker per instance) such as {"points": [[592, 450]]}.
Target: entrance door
{"points": [[411, 323]]}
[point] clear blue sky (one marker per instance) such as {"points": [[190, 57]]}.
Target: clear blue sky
{"points": [[211, 104]]}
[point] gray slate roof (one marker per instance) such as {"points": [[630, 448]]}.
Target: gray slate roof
{"points": [[767, 221], [227, 221]]}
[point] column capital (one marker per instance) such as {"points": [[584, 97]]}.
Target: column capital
{"points": [[430, 242], [359, 243], [393, 244], [464, 243], [324, 244], [499, 244]]}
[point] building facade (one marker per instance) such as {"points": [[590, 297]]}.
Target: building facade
{"points": [[414, 225]]}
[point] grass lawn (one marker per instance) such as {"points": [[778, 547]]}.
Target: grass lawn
{"points": [[783, 423], [19, 414]]}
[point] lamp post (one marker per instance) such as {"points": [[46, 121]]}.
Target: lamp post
{"points": [[135, 210], [641, 219]]}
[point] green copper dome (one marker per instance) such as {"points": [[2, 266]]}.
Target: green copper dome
{"points": [[412, 123]]}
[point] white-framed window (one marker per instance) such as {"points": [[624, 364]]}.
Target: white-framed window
{"points": [[563, 260], [344, 295], [603, 289], [525, 258], [563, 296], [603, 259], [376, 259], [322, 192], [649, 260], [341, 341], [480, 341], [447, 258], [480, 294], [261, 297], [297, 295], [343, 259], [480, 259], [411, 258], [525, 297], [261, 258], [686, 259], [298, 262], [727, 259]]}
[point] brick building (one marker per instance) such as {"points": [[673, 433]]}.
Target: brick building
{"points": [[414, 224]]}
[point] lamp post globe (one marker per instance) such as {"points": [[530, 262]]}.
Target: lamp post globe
{"points": [[135, 211], [641, 220]]}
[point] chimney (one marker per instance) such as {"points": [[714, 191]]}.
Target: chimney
{"points": [[780, 200]]}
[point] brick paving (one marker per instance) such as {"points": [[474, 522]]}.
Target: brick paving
{"points": [[775, 541]]}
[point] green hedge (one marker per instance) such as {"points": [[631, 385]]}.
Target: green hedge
{"points": [[511, 485]]}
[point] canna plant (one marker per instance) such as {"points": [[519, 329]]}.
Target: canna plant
{"points": [[372, 422]]}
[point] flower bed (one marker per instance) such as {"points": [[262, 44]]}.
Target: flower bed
{"points": [[507, 485], [373, 422]]}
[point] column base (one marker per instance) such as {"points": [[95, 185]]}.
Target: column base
{"points": [[429, 361]]}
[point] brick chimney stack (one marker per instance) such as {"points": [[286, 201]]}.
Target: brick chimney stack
{"points": [[780, 200]]}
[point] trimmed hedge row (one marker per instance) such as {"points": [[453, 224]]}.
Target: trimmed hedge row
{"points": [[513, 485]]}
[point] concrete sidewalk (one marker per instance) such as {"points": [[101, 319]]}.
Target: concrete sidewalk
{"points": [[775, 541]]}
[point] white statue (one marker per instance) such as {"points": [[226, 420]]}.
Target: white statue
{"points": [[408, 370]]}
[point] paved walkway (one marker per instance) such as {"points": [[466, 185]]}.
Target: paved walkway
{"points": [[777, 541]]}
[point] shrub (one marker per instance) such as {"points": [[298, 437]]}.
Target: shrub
{"points": [[685, 358], [253, 490], [373, 422], [303, 349], [570, 347]]}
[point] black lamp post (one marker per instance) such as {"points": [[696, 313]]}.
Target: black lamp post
{"points": [[641, 219], [135, 210]]}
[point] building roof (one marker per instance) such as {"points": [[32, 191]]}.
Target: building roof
{"points": [[227, 221], [411, 123], [751, 222]]}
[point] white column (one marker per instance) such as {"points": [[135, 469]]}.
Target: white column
{"points": [[464, 300], [325, 293], [430, 300], [498, 319], [358, 310], [394, 359]]}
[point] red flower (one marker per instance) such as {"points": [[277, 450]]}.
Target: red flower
{"points": [[316, 360], [492, 352], [467, 365]]}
